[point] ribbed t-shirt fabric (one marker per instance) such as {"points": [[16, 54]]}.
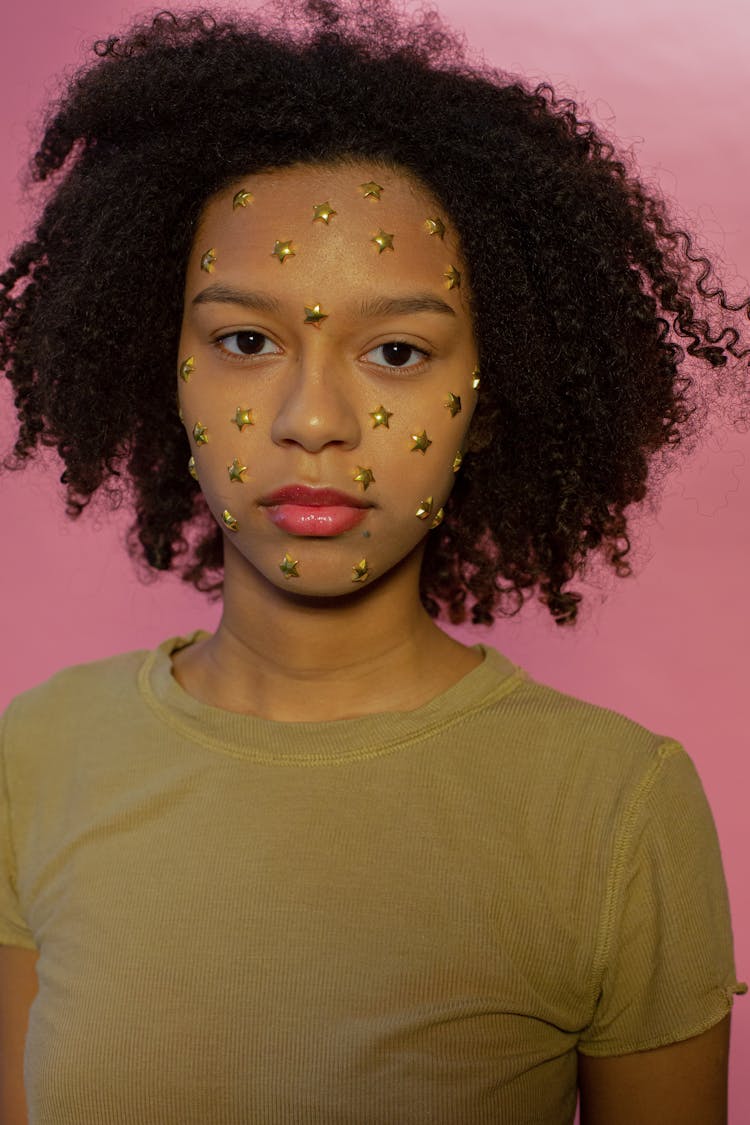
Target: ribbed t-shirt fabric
{"points": [[402, 918]]}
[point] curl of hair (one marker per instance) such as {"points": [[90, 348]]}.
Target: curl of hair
{"points": [[585, 300]]}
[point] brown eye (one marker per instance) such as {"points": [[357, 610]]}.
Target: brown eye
{"points": [[398, 354], [247, 343]]}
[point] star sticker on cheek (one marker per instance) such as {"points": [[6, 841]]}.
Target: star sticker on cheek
{"points": [[371, 189], [243, 418], [208, 259], [236, 471], [475, 378], [314, 316], [191, 468], [229, 520], [200, 433], [283, 250], [422, 442], [241, 199], [425, 509], [380, 417], [457, 460], [454, 404], [452, 278], [187, 367], [322, 212], [439, 515], [435, 226], [383, 241], [364, 477], [360, 571], [288, 566]]}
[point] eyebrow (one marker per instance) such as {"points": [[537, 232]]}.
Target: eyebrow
{"points": [[369, 309]]}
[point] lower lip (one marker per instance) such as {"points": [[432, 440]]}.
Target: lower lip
{"points": [[301, 520]]}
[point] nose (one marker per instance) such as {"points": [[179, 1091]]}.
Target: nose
{"points": [[317, 408]]}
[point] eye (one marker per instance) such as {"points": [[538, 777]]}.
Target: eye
{"points": [[398, 354], [246, 344]]}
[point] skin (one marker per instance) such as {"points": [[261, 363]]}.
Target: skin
{"points": [[321, 647]]}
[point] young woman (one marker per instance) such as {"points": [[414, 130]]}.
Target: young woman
{"points": [[372, 335]]}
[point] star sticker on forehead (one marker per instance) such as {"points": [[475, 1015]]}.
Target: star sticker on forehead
{"points": [[314, 315], [243, 418], [283, 250], [452, 278], [421, 442], [380, 417], [323, 212], [435, 226], [383, 241], [237, 471], [371, 190], [364, 477], [288, 566], [242, 198], [208, 259]]}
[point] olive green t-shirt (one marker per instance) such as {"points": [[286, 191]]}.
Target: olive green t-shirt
{"points": [[405, 918]]}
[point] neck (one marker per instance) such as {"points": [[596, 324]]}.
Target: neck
{"points": [[313, 659]]}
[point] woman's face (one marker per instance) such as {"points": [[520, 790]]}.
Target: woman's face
{"points": [[326, 347]]}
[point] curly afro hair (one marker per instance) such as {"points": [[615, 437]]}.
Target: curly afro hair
{"points": [[581, 290]]}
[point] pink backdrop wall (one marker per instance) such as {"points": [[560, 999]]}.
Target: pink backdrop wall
{"points": [[668, 647]]}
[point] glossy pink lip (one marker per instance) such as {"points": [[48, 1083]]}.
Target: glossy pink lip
{"points": [[320, 512], [301, 494]]}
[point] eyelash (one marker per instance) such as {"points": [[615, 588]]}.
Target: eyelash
{"points": [[234, 357]]}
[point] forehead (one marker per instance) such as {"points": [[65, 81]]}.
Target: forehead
{"points": [[330, 217]]}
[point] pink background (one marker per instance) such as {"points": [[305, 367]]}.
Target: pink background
{"points": [[669, 647]]}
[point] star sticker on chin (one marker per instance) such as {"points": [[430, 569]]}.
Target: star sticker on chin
{"points": [[360, 571], [288, 566]]}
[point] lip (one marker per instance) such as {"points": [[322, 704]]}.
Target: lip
{"points": [[303, 496], [301, 510]]}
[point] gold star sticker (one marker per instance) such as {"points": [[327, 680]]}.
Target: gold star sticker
{"points": [[457, 460], [380, 417], [191, 468], [371, 189], [288, 566], [452, 278], [200, 434], [187, 367], [242, 198], [383, 241], [208, 259], [229, 520], [422, 441], [360, 571], [322, 212], [453, 403], [365, 478], [236, 471], [243, 418], [180, 415], [425, 509], [475, 378], [314, 315], [439, 514], [283, 250], [435, 226]]}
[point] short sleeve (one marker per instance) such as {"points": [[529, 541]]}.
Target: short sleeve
{"points": [[13, 928], [666, 960]]}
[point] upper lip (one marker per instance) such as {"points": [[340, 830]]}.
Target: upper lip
{"points": [[313, 497]]}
